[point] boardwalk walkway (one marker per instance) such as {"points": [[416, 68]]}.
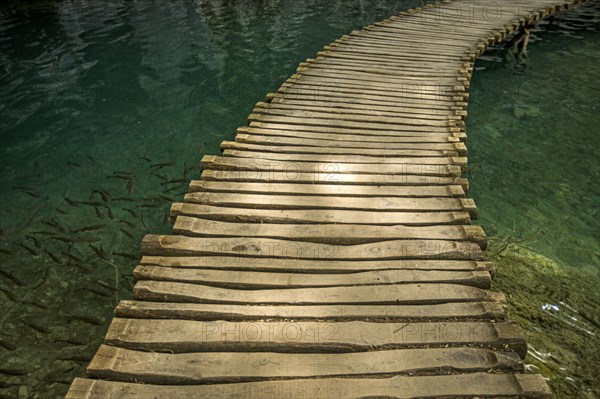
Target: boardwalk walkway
{"points": [[329, 252]]}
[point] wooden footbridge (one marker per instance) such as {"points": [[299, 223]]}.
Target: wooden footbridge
{"points": [[329, 253]]}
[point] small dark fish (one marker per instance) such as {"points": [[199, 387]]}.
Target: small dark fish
{"points": [[145, 158], [91, 158], [86, 239], [174, 188], [71, 202], [120, 177], [90, 228], [55, 258], [35, 207], [110, 213], [36, 327], [75, 164], [128, 199], [123, 172], [9, 346], [149, 206], [167, 198], [174, 181], [56, 225], [33, 251], [86, 319], [161, 177], [99, 213], [31, 193], [128, 223], [92, 203], [45, 233], [7, 251], [128, 234], [99, 252], [35, 240], [12, 277], [2, 232], [74, 257], [130, 187], [131, 212], [9, 294], [61, 211], [127, 256], [14, 372], [103, 193], [158, 166]]}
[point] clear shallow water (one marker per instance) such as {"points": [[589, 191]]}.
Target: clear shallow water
{"points": [[95, 98]]}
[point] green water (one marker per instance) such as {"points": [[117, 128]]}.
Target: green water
{"points": [[106, 108]]}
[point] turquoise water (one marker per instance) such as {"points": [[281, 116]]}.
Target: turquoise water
{"points": [[106, 109]]}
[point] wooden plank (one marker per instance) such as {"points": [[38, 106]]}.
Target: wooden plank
{"points": [[327, 189], [381, 69], [304, 155], [376, 294], [326, 178], [347, 234], [384, 204], [352, 336], [210, 368], [483, 385], [423, 140], [322, 265], [408, 125], [364, 115], [407, 61], [289, 249], [206, 312], [333, 169], [396, 80], [249, 147], [366, 107], [246, 215], [269, 280]]}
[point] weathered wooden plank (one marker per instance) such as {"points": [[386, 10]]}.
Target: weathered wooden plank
{"points": [[385, 204], [334, 169], [357, 153], [424, 141], [379, 294], [327, 189], [223, 262], [375, 79], [205, 312], [323, 64], [209, 368], [269, 280], [247, 215], [407, 61], [482, 385], [352, 336], [303, 155], [358, 117], [272, 176], [289, 249], [347, 234], [365, 107], [325, 120]]}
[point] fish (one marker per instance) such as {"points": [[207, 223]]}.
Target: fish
{"points": [[7, 345], [86, 318], [128, 199], [120, 177], [90, 228], [174, 181], [12, 277], [56, 225], [158, 166], [36, 327], [76, 258], [167, 198], [71, 202], [35, 240], [9, 294], [127, 256], [62, 211], [55, 258], [149, 206], [33, 251], [161, 177], [110, 213], [2, 232], [144, 158], [131, 212], [130, 187], [99, 252], [13, 372], [75, 164], [128, 234], [91, 158], [174, 188], [128, 223], [103, 193], [99, 213]]}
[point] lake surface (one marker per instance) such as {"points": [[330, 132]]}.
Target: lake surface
{"points": [[107, 107]]}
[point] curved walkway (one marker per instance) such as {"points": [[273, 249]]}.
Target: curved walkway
{"points": [[329, 253]]}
